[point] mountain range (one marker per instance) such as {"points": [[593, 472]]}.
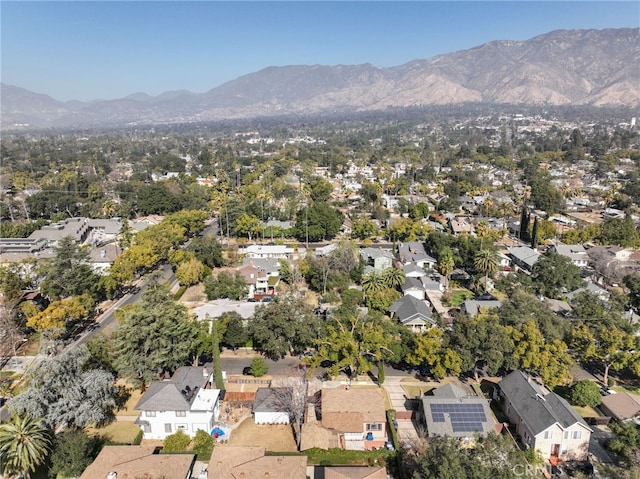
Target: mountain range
{"points": [[563, 67]]}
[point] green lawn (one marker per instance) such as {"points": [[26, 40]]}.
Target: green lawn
{"points": [[417, 390], [459, 295], [341, 457], [586, 411]]}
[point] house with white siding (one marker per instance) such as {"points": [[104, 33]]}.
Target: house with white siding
{"points": [[186, 402], [543, 420]]}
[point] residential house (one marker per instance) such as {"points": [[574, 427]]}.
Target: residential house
{"points": [[575, 252], [413, 313], [412, 270], [185, 402], [414, 287], [269, 406], [621, 406], [591, 288], [414, 252], [433, 281], [358, 415], [451, 412], [377, 259], [461, 225], [101, 258], [236, 462], [543, 420], [482, 303], [523, 257], [120, 462], [261, 275], [267, 251]]}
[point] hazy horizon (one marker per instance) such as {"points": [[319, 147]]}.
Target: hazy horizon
{"points": [[107, 50]]}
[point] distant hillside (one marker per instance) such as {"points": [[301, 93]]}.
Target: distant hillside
{"points": [[564, 67]]}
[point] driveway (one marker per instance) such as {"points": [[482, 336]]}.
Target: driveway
{"points": [[596, 443], [401, 403]]}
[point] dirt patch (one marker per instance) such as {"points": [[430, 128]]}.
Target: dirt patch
{"points": [[121, 432], [194, 294], [277, 438]]}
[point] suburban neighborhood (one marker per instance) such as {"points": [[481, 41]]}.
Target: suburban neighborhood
{"points": [[372, 318]]}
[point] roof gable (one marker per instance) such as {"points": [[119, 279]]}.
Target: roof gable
{"points": [[538, 408]]}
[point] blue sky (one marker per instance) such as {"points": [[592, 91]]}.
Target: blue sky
{"points": [[86, 50]]}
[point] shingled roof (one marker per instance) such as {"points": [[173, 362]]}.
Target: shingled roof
{"points": [[538, 408], [175, 394]]}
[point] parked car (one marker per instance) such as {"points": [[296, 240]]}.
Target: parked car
{"points": [[246, 371], [267, 299]]}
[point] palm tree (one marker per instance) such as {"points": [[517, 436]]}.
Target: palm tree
{"points": [[482, 230], [486, 261], [393, 277], [24, 445], [446, 264], [373, 282]]}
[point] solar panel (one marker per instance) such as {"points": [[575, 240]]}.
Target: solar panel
{"points": [[464, 417]]}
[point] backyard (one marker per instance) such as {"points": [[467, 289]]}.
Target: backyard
{"points": [[275, 438]]}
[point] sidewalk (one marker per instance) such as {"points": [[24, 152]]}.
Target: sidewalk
{"points": [[239, 353]]}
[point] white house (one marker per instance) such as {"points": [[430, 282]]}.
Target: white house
{"points": [[269, 406], [267, 251], [185, 402], [575, 252], [543, 420]]}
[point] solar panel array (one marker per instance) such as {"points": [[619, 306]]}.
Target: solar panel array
{"points": [[464, 417]]}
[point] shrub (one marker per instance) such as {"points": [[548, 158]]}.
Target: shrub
{"points": [[138, 439], [176, 442], [203, 444]]}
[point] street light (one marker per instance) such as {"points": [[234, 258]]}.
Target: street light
{"points": [[15, 352]]}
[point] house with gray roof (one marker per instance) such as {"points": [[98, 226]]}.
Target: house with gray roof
{"points": [[413, 313], [450, 412], [414, 287], [412, 270], [575, 252], [186, 402], [270, 406], [524, 257], [415, 252], [543, 420], [377, 258], [473, 307]]}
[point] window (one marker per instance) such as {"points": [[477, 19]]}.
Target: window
{"points": [[577, 434], [146, 427], [167, 428], [548, 434], [181, 413], [374, 427], [566, 434], [150, 413]]}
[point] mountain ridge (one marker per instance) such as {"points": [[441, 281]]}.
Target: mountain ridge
{"points": [[563, 67]]}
